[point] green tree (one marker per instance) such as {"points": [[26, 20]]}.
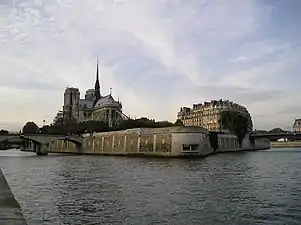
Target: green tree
{"points": [[91, 126], [30, 128], [213, 138], [178, 123], [143, 122], [3, 132], [49, 129], [235, 123], [128, 124], [276, 131]]}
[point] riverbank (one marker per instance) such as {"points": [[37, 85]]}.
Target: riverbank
{"points": [[159, 142], [10, 212], [289, 144]]}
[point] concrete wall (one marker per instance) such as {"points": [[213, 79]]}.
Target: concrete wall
{"points": [[142, 141], [171, 141], [259, 144], [228, 143], [286, 144], [191, 144]]}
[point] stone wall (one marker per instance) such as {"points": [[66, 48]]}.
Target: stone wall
{"points": [[227, 143], [62, 146], [261, 144], [141, 141], [258, 144], [129, 142], [171, 141]]}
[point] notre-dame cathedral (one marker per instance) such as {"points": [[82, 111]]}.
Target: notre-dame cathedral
{"points": [[93, 107]]}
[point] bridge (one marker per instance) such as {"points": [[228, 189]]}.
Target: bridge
{"points": [[39, 143], [275, 136]]}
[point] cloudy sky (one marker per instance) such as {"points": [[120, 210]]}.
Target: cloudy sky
{"points": [[156, 55]]}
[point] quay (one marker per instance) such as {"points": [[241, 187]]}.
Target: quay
{"points": [[163, 142], [288, 144], [10, 212]]}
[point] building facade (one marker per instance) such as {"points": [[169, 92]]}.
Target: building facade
{"points": [[297, 126], [94, 107], [207, 114]]}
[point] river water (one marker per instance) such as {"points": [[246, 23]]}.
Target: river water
{"points": [[238, 188]]}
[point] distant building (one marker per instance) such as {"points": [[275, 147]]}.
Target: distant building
{"points": [[297, 126], [93, 107], [207, 115]]}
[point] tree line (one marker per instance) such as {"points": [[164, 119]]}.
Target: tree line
{"points": [[74, 128], [3, 132]]}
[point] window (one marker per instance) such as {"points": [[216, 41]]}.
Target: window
{"points": [[189, 147]]}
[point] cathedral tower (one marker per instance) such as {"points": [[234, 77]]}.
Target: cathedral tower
{"points": [[71, 101]]}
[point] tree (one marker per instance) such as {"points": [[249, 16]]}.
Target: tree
{"points": [[143, 122], [47, 130], [235, 123], [30, 128], [213, 138], [178, 123], [91, 126], [65, 126], [3, 132], [277, 131]]}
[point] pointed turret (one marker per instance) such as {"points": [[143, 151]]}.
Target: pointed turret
{"points": [[97, 86]]}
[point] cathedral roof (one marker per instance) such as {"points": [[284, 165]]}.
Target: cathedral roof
{"points": [[90, 90], [83, 103], [107, 100]]}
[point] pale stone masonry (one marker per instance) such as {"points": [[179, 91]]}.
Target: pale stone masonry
{"points": [[207, 114], [168, 142]]}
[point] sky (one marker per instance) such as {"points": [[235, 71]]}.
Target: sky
{"points": [[156, 55]]}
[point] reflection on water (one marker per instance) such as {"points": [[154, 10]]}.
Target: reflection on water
{"points": [[239, 188]]}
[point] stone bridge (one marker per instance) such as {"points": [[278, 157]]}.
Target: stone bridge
{"points": [[275, 136], [39, 143]]}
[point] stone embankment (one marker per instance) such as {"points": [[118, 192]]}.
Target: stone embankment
{"points": [[287, 144], [169, 142], [10, 213]]}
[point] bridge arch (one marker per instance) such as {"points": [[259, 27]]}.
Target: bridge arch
{"points": [[72, 140], [7, 143], [47, 139], [31, 143], [61, 144]]}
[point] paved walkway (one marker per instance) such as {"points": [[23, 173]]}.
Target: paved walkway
{"points": [[10, 213]]}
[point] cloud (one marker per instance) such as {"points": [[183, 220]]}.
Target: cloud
{"points": [[259, 50], [240, 95], [157, 55]]}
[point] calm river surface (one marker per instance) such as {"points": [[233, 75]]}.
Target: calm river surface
{"points": [[238, 188]]}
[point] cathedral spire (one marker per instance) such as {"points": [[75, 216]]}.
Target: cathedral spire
{"points": [[97, 86]]}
